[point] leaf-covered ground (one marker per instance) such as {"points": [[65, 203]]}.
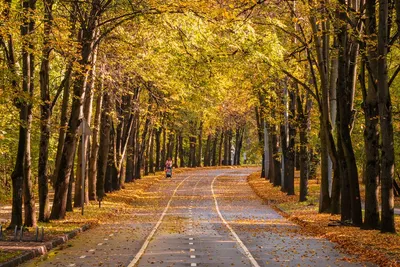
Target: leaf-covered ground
{"points": [[367, 245]]}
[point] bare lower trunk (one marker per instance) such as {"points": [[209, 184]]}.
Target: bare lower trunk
{"points": [[95, 147]]}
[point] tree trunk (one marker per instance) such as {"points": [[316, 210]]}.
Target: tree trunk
{"points": [[143, 141], [63, 176], [95, 145], [104, 146], [275, 151], [151, 153], [181, 152], [200, 150], [158, 148], [164, 148], [207, 151], [371, 131], [214, 149], [220, 149], [192, 153], [324, 198], [176, 151], [45, 113], [28, 69], [385, 116], [348, 51]]}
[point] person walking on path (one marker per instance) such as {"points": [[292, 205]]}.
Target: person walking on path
{"points": [[168, 168]]}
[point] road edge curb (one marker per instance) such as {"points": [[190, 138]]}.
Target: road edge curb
{"points": [[44, 248]]}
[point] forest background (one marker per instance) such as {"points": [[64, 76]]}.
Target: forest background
{"points": [[286, 84]]}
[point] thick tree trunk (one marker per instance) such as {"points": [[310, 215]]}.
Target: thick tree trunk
{"points": [[17, 174], [324, 198], [70, 186], [345, 92], [104, 147], [28, 69], [45, 114], [385, 116], [371, 131]]}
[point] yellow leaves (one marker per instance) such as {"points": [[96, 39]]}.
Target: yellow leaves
{"points": [[367, 246]]}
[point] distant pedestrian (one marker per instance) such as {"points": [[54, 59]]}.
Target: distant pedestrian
{"points": [[168, 168]]}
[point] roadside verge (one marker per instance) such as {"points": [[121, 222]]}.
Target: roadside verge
{"points": [[367, 245]]}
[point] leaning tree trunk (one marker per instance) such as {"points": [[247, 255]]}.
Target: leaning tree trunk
{"points": [[385, 116], [63, 175]]}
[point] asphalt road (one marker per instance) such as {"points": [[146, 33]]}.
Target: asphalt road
{"points": [[202, 218]]}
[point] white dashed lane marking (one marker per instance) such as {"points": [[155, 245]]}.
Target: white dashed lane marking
{"points": [[192, 256], [82, 257], [193, 264], [100, 244]]}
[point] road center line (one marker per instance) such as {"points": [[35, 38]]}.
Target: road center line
{"points": [[147, 241], [245, 249]]}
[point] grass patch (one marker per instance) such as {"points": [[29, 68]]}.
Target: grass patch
{"points": [[6, 255]]}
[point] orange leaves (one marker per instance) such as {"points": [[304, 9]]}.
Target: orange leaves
{"points": [[365, 245]]}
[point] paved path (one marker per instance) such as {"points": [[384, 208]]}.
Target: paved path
{"points": [[201, 218]]}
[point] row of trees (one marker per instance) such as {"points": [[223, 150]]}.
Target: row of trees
{"points": [[338, 58], [104, 64], [195, 82]]}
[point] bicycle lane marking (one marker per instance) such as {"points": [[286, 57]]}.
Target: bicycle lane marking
{"points": [[241, 244], [147, 241]]}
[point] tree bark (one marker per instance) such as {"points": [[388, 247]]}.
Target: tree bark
{"points": [[95, 145], [28, 69], [104, 146], [385, 116], [181, 152], [371, 115], [200, 150], [45, 114]]}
